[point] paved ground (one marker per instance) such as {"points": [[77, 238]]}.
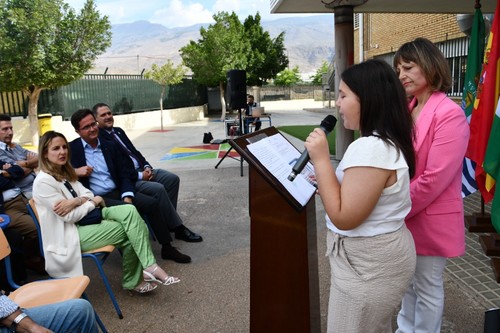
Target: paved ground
{"points": [[213, 295]]}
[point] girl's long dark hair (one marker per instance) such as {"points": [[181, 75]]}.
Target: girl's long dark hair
{"points": [[383, 106]]}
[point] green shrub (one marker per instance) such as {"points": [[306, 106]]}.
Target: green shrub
{"points": [[302, 131]]}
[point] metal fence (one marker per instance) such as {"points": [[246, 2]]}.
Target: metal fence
{"points": [[274, 93], [13, 103], [123, 93], [133, 93]]}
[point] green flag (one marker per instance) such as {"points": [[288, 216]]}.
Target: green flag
{"points": [[472, 74], [474, 63], [492, 165]]}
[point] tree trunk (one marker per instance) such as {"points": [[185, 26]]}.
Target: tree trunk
{"points": [[222, 101], [256, 94], [33, 114], [161, 106]]}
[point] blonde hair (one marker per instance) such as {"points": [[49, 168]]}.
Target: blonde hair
{"points": [[59, 173]]}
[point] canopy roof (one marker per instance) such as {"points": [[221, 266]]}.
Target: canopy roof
{"points": [[382, 6]]}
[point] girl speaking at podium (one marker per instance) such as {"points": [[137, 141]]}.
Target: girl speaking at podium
{"points": [[366, 199]]}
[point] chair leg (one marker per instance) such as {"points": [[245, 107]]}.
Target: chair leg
{"points": [[106, 284], [100, 323], [97, 318]]}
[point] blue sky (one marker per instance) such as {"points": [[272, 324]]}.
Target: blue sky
{"points": [[178, 13]]}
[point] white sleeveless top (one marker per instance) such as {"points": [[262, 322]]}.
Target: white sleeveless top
{"points": [[394, 203]]}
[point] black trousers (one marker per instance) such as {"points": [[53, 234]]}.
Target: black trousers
{"points": [[148, 206]]}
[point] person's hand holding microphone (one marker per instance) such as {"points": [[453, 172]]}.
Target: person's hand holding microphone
{"points": [[324, 129]]}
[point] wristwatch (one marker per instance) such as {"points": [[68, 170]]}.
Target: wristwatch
{"points": [[17, 320]]}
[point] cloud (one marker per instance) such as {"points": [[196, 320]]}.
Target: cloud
{"points": [[181, 14]]}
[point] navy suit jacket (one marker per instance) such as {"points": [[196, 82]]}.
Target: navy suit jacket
{"points": [[121, 134], [119, 165], [15, 172]]}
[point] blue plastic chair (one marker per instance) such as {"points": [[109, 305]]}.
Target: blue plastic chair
{"points": [[98, 256], [46, 291]]}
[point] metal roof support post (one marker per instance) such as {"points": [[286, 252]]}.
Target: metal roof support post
{"points": [[344, 58]]}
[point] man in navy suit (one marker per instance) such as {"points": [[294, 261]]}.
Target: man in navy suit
{"points": [[103, 168], [149, 180]]}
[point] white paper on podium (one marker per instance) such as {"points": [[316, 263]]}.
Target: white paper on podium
{"points": [[278, 156]]}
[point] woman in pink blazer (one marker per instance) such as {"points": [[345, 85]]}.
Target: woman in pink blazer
{"points": [[436, 219]]}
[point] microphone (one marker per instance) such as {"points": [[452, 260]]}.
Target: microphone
{"points": [[327, 126]]}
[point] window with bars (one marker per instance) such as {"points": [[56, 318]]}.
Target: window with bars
{"points": [[357, 17]]}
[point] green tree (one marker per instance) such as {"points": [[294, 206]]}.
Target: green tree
{"points": [[287, 77], [227, 45], [267, 57], [167, 74], [317, 79], [219, 49], [44, 44]]}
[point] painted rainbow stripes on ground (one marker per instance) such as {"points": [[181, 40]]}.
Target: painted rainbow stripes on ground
{"points": [[203, 152]]}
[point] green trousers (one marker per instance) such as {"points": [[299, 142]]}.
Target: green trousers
{"points": [[123, 227]]}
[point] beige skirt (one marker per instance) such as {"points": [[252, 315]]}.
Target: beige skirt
{"points": [[369, 276]]}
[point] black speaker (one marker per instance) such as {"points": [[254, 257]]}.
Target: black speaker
{"points": [[236, 88], [492, 321]]}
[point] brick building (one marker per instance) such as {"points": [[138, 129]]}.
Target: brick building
{"points": [[380, 35]]}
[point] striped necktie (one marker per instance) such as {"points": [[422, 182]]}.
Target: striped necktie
{"points": [[125, 148]]}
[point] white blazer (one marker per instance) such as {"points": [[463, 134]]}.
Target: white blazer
{"points": [[61, 243]]}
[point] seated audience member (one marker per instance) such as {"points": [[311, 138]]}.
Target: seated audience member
{"points": [[14, 154], [13, 203], [248, 113], [62, 201], [103, 168], [149, 180], [75, 315]]}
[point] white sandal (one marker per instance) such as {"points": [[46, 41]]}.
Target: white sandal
{"points": [[145, 287], [149, 277]]}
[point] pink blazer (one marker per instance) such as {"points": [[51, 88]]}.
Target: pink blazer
{"points": [[436, 219]]}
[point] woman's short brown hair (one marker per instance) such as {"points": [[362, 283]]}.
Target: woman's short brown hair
{"points": [[430, 59]]}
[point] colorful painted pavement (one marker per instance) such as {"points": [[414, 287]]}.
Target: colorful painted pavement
{"points": [[202, 152]]}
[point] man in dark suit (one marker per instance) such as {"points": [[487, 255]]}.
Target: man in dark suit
{"points": [[103, 168], [148, 179]]}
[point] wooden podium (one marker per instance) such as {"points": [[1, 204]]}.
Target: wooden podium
{"points": [[284, 283]]}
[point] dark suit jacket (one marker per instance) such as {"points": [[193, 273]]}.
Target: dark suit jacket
{"points": [[119, 165], [15, 172], [121, 134]]}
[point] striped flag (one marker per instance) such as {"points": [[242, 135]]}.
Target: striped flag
{"points": [[485, 106], [474, 65]]}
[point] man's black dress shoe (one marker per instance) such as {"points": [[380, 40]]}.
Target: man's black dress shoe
{"points": [[171, 253], [187, 235]]}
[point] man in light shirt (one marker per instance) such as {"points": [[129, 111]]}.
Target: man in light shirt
{"points": [[148, 179], [15, 154]]}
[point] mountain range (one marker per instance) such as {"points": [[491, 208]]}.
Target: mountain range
{"points": [[309, 41]]}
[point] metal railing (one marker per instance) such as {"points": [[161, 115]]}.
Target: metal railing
{"points": [[123, 93]]}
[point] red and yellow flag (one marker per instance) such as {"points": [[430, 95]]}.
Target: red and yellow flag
{"points": [[484, 107]]}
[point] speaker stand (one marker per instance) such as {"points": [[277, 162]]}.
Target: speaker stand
{"points": [[240, 130]]}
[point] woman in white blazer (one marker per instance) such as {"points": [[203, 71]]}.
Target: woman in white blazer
{"points": [[64, 239]]}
